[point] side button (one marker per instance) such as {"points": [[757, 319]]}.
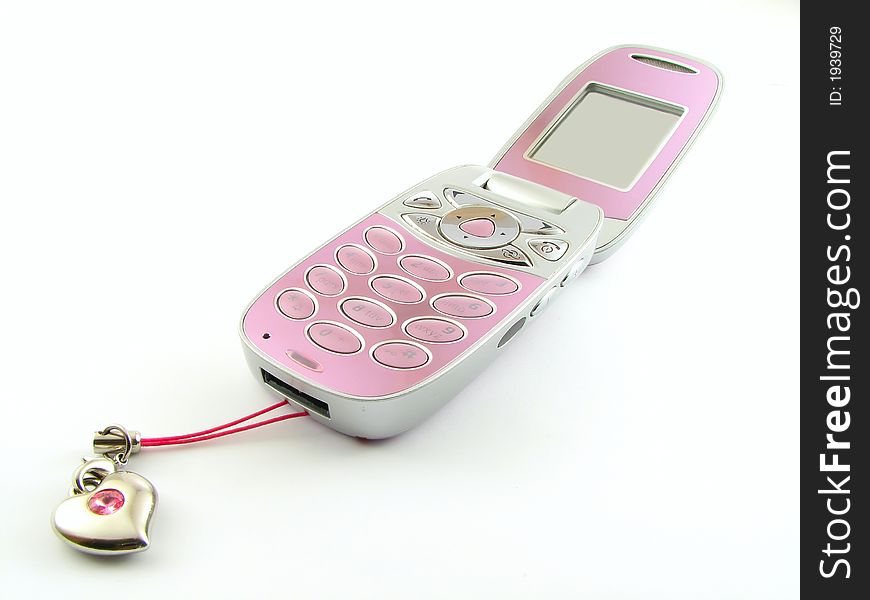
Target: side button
{"points": [[575, 271], [543, 303], [510, 333]]}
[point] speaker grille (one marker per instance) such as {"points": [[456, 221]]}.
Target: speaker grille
{"points": [[662, 64]]}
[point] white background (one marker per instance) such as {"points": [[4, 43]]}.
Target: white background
{"points": [[161, 162]]}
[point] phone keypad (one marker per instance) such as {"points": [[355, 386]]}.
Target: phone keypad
{"points": [[425, 268], [463, 306], [400, 355], [296, 304], [367, 312], [435, 330], [378, 310], [355, 259], [335, 338], [397, 290], [384, 240], [489, 283], [325, 280]]}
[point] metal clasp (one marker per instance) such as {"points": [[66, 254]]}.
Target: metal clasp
{"points": [[116, 443]]}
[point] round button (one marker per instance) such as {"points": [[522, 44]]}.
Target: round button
{"points": [[490, 284], [296, 304], [426, 268], [367, 312], [462, 306], [397, 290], [400, 355], [384, 240], [325, 280], [479, 227], [434, 330], [355, 260], [335, 338]]}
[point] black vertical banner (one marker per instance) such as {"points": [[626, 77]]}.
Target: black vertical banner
{"points": [[835, 363]]}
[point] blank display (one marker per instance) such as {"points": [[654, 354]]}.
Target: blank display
{"points": [[607, 136]]}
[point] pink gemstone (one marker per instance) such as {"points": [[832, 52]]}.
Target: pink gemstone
{"points": [[106, 502]]}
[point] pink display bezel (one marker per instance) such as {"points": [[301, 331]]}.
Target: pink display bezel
{"points": [[694, 92]]}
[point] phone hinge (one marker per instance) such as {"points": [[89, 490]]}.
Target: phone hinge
{"points": [[526, 192]]}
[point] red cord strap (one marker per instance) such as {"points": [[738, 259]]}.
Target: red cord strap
{"points": [[222, 430]]}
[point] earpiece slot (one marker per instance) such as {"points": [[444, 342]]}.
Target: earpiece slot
{"points": [[660, 63]]}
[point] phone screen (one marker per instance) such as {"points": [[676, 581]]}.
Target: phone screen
{"points": [[607, 135]]}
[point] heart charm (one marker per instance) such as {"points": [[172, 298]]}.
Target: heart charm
{"points": [[114, 518]]}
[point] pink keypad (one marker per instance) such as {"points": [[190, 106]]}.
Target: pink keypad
{"points": [[374, 334], [325, 280], [335, 338], [384, 240], [434, 330], [355, 259], [463, 306], [490, 284], [426, 268], [397, 290], [367, 312], [296, 304], [400, 355]]}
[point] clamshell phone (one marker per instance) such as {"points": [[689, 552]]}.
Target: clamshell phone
{"points": [[385, 322]]}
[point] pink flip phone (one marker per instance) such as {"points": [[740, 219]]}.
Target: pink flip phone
{"points": [[384, 323]]}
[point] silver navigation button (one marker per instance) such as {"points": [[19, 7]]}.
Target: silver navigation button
{"points": [[549, 249], [479, 227], [428, 223], [463, 198], [528, 223], [423, 201], [509, 254], [537, 226]]}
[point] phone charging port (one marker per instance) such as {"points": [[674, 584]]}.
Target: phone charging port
{"points": [[309, 403]]}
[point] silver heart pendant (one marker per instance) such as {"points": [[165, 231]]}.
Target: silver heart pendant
{"points": [[113, 518]]}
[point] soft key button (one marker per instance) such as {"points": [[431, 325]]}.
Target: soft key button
{"points": [[334, 338], [400, 355], [550, 249], [383, 240], [296, 304], [367, 312], [325, 280], [355, 259], [423, 201], [490, 284], [426, 268], [397, 290], [462, 306], [434, 330]]}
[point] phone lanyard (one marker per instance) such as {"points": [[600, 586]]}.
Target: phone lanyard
{"points": [[109, 508]]}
